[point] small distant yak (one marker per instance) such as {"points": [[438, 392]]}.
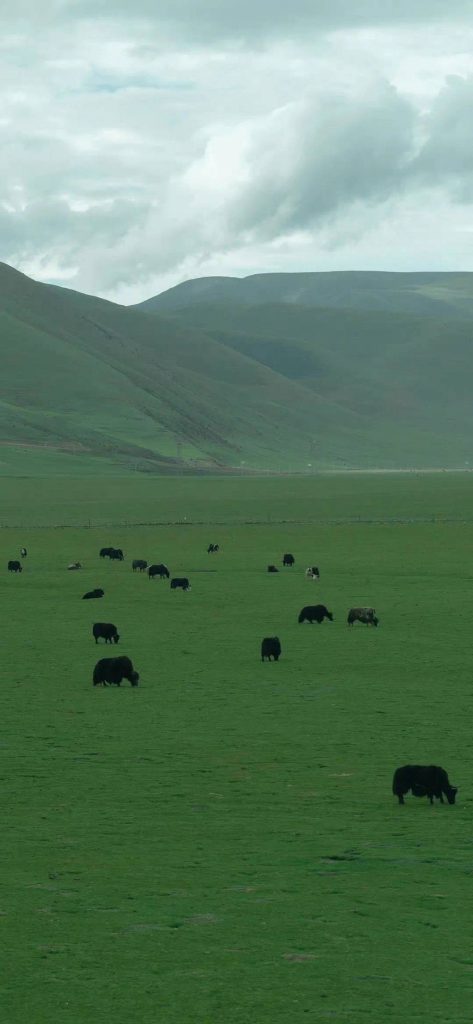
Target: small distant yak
{"points": [[111, 671], [315, 613], [423, 780], [105, 631], [93, 593], [312, 573], [288, 559], [366, 615], [158, 570], [272, 568], [140, 564], [180, 583], [75, 565], [112, 553], [270, 648], [116, 554], [14, 566], [212, 549], [23, 552]]}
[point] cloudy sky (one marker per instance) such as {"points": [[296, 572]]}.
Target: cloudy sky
{"points": [[143, 142]]}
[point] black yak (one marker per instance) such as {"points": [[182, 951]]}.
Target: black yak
{"points": [[107, 631], [139, 563], [113, 670], [158, 570], [315, 613], [312, 573], [288, 560], [212, 549], [93, 593], [105, 552], [15, 567], [180, 583], [423, 780], [366, 615], [116, 554], [272, 568], [270, 648]]}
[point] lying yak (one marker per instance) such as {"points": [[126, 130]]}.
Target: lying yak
{"points": [[212, 549], [315, 613], [423, 780], [14, 566], [140, 564], [270, 648], [312, 572], [288, 560], [366, 615], [93, 593], [74, 565], [113, 670], [105, 631], [272, 568], [180, 583], [158, 570]]}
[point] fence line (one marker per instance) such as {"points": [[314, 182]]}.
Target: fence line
{"points": [[340, 521]]}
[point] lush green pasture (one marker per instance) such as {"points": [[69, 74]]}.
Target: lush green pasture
{"points": [[220, 845], [136, 499]]}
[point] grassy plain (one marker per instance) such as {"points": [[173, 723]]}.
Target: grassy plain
{"points": [[220, 845]]}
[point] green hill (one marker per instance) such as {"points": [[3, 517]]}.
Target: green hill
{"points": [[91, 386], [426, 294]]}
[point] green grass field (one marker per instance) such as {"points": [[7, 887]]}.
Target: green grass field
{"points": [[221, 845]]}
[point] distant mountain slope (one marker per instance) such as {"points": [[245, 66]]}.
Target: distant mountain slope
{"points": [[221, 385], [422, 294], [82, 373]]}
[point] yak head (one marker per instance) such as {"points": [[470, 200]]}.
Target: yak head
{"points": [[116, 638], [330, 616], [134, 678], [451, 793]]}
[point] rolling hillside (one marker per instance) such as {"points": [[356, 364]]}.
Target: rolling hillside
{"points": [[91, 386], [427, 294]]}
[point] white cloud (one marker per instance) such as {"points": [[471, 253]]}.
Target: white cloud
{"points": [[138, 149]]}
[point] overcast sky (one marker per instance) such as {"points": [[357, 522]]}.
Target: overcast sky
{"points": [[143, 142]]}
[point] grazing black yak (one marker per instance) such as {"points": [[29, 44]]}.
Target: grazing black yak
{"points": [[272, 568], [315, 613], [180, 582], [105, 552], [107, 631], [423, 780], [288, 560], [113, 670], [93, 593], [270, 648], [116, 554], [139, 563], [158, 570], [15, 567], [366, 615]]}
